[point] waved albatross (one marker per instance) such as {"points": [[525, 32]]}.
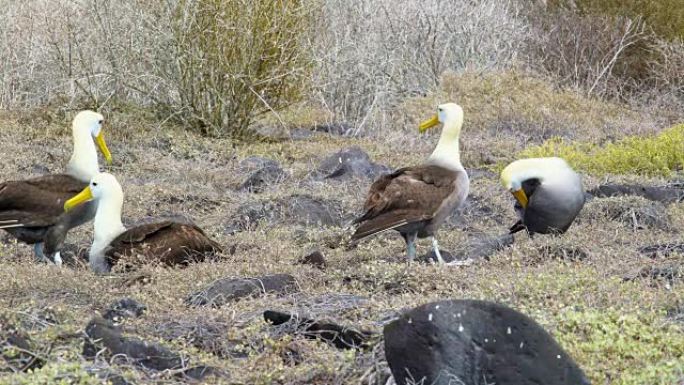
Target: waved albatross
{"points": [[415, 201], [32, 209], [171, 242], [548, 194]]}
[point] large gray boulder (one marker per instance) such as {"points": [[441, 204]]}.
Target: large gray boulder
{"points": [[471, 342]]}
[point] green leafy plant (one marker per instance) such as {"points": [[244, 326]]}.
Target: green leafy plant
{"points": [[654, 155], [642, 349]]}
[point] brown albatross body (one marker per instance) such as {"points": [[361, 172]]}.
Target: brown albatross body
{"points": [[32, 210], [171, 242], [167, 241], [416, 201]]}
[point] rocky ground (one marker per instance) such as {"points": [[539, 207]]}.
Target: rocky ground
{"points": [[609, 291]]}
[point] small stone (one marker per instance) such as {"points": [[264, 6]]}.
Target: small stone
{"points": [[341, 337], [124, 308], [663, 194], [662, 250], [101, 334], [341, 129], [259, 180], [231, 289], [17, 350], [350, 162], [315, 259]]}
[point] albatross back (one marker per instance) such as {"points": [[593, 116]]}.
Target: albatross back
{"points": [[169, 242], [35, 205], [412, 199]]}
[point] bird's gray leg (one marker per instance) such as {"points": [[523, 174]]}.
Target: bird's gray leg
{"points": [[411, 246], [38, 250], [435, 246]]}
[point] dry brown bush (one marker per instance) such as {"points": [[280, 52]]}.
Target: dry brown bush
{"points": [[236, 59], [589, 53], [78, 54], [203, 62], [213, 63], [608, 49], [371, 54]]}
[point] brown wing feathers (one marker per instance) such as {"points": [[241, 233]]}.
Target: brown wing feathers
{"points": [[36, 202], [408, 195], [169, 242]]}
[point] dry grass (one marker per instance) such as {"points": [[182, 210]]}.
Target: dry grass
{"points": [[164, 170]]}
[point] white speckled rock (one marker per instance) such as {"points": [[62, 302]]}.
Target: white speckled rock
{"points": [[472, 342]]}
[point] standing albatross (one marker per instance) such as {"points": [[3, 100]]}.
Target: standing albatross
{"points": [[548, 194], [168, 241], [32, 209], [415, 201]]}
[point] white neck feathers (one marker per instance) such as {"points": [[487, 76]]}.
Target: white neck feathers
{"points": [[83, 164], [107, 226], [447, 153]]}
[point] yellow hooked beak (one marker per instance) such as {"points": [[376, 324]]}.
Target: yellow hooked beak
{"points": [[99, 139], [521, 197], [83, 196], [433, 121]]}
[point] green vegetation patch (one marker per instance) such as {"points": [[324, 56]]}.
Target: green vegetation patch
{"points": [[657, 155], [620, 348]]}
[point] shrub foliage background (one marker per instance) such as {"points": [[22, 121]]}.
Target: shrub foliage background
{"points": [[216, 65], [237, 59]]}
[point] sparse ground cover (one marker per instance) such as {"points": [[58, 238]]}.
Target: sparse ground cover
{"points": [[616, 310]]}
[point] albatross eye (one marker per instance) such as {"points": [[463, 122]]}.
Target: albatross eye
{"points": [[100, 121], [94, 184]]}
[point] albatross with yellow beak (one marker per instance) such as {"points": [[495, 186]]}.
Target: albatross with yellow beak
{"points": [[415, 201], [548, 193], [32, 209], [168, 241]]}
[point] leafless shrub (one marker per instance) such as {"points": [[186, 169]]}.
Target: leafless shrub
{"points": [[80, 53], [217, 64], [213, 63], [665, 71], [370, 54], [585, 51]]}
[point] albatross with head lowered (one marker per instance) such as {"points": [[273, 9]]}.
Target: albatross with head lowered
{"points": [[548, 193], [32, 209], [415, 201], [168, 241]]}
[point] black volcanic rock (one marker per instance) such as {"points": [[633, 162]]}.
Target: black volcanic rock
{"points": [[471, 342], [270, 173], [350, 162], [226, 290], [315, 259], [17, 350], [299, 209], [664, 194], [102, 337], [481, 247], [124, 308], [662, 250], [332, 333], [335, 128]]}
